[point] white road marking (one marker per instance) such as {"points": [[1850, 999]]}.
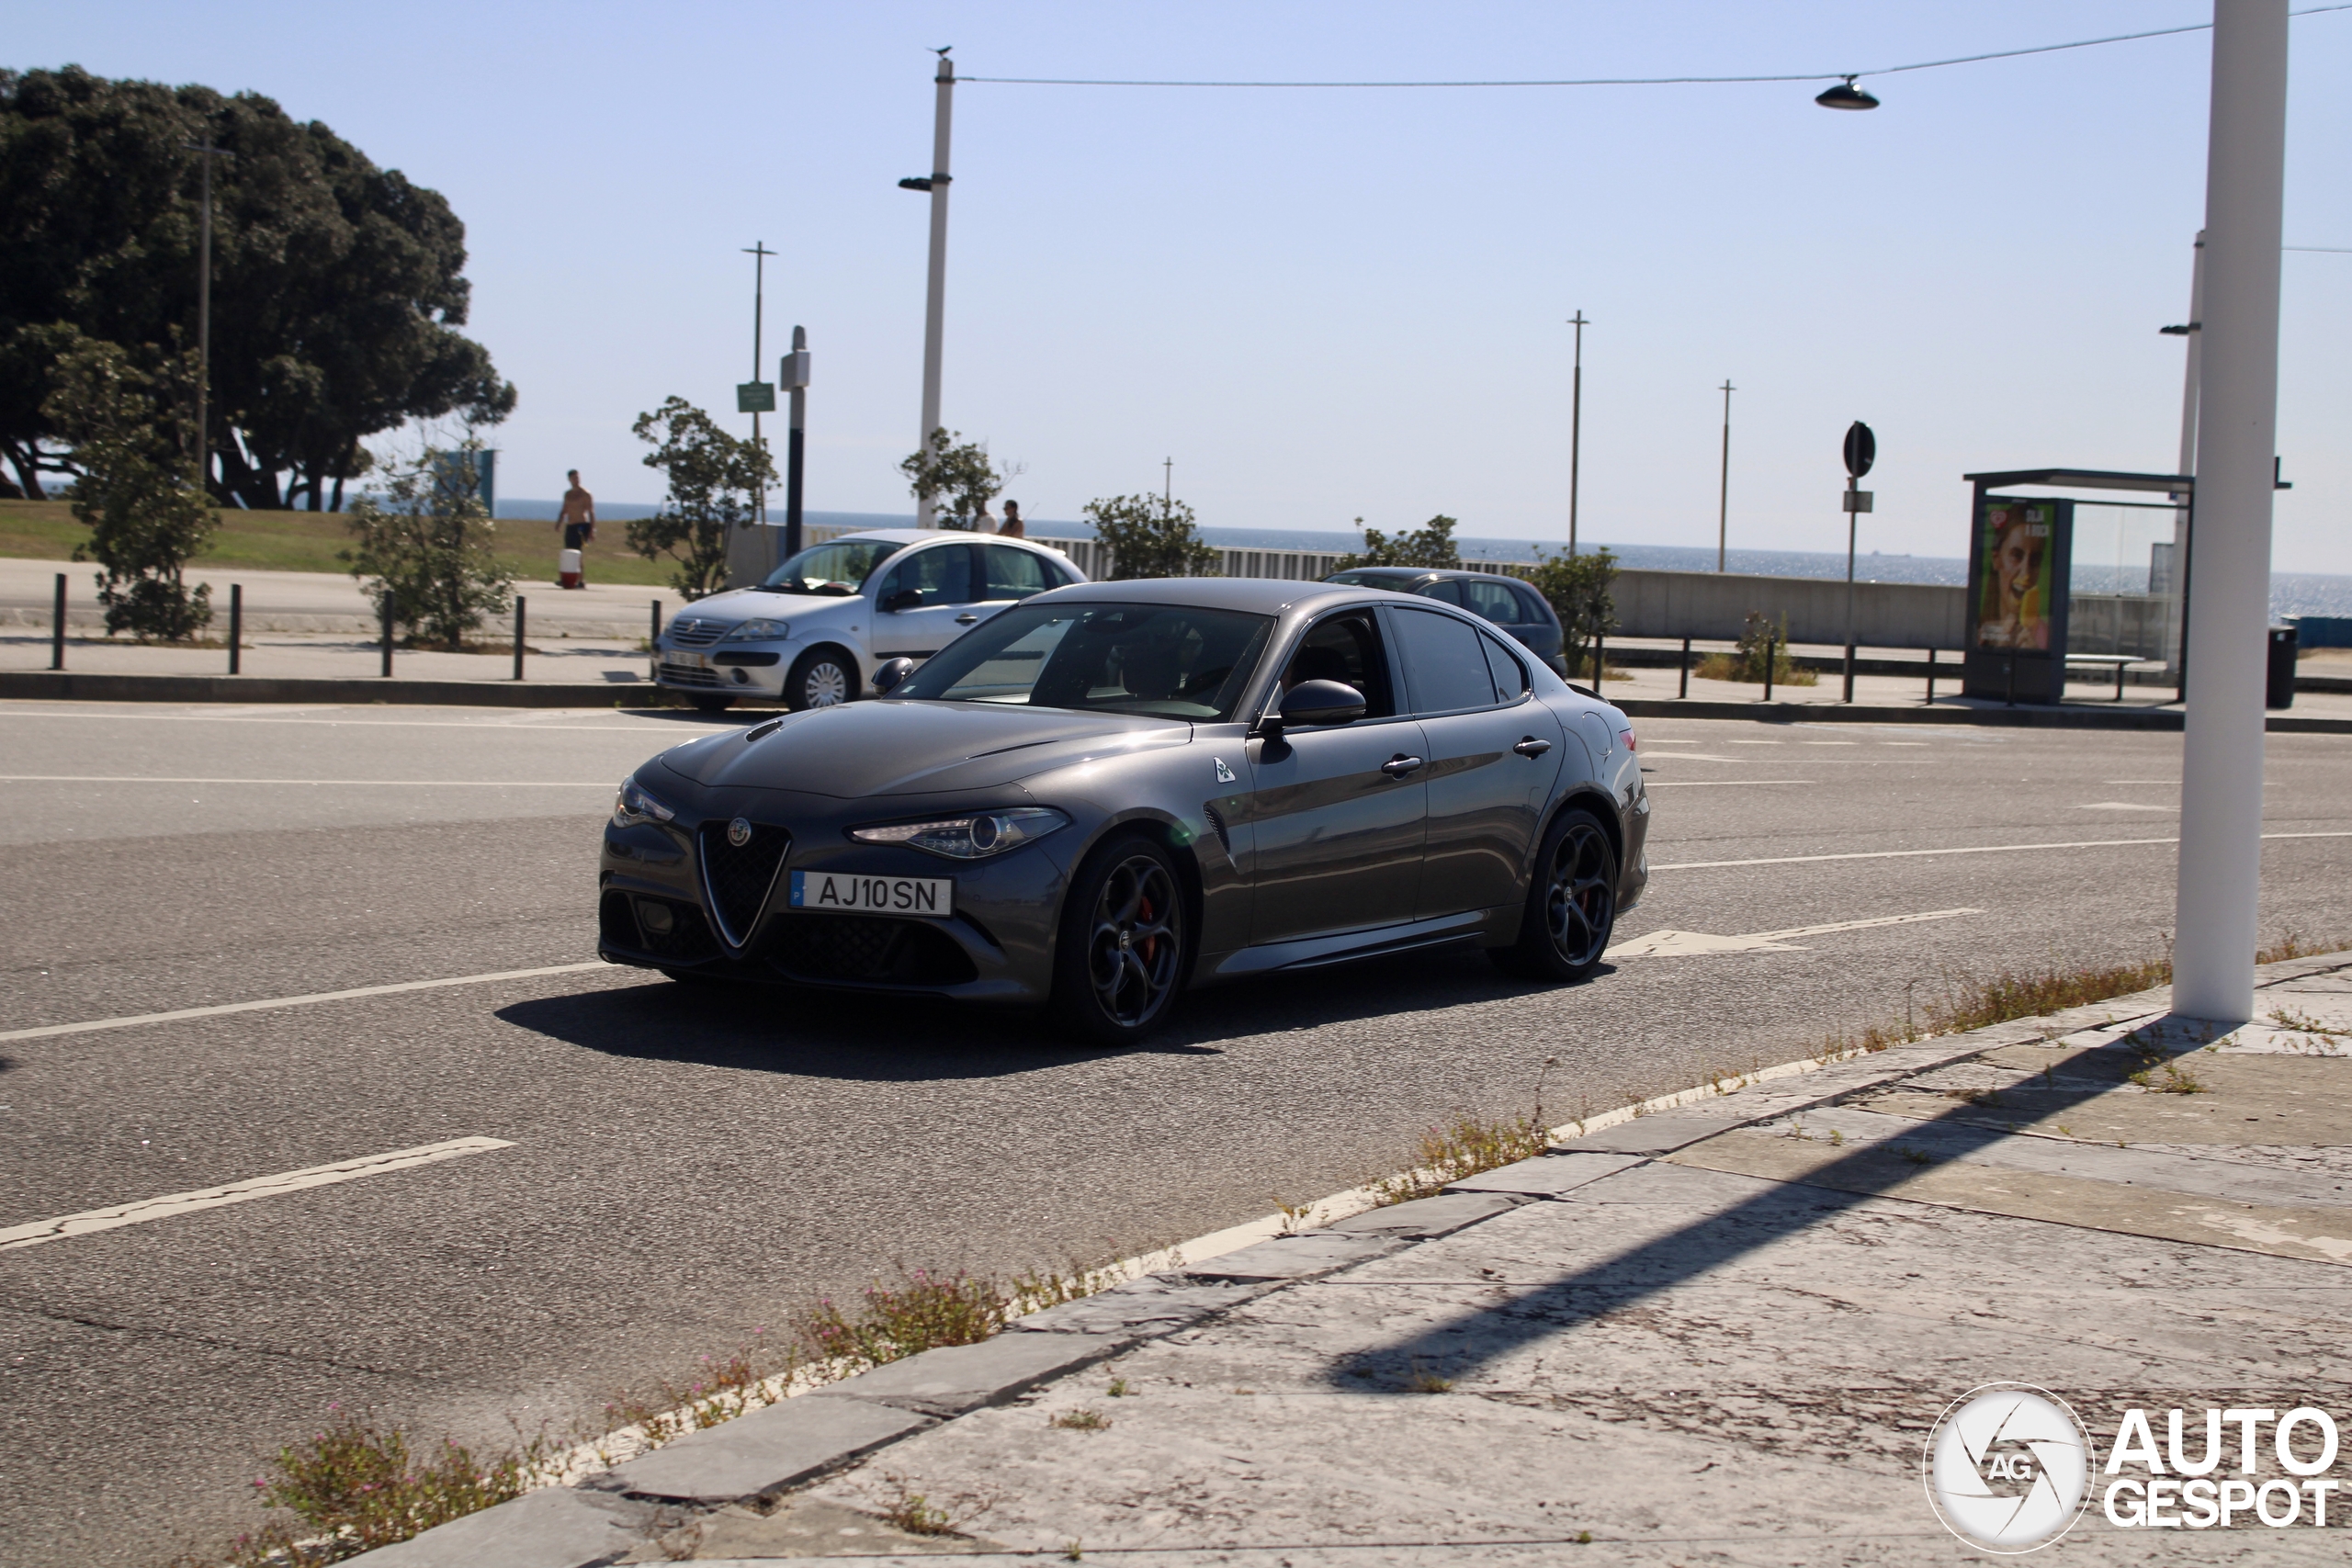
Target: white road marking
{"points": [[1695, 756], [1760, 743], [1829, 743], [1960, 850], [390, 784], [222, 1009], [1689, 944], [241, 1191], [239, 716], [2123, 806], [1716, 783]]}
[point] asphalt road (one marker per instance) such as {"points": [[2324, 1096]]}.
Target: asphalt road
{"points": [[682, 1167]]}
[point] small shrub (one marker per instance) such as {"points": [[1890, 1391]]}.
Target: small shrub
{"points": [[1081, 1421], [1747, 661], [358, 1485]]}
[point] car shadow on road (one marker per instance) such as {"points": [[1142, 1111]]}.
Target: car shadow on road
{"points": [[883, 1038]]}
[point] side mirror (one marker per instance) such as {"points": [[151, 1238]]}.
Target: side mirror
{"points": [[1322, 701], [904, 599], [890, 672]]}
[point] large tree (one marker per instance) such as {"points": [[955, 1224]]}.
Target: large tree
{"points": [[337, 287]]}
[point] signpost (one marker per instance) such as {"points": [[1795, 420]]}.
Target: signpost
{"points": [[1861, 451], [794, 374]]}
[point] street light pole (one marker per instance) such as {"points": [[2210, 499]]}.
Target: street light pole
{"points": [[794, 440], [2217, 896], [1723, 498], [759, 253], [2194, 330], [1575, 424], [935, 297]]}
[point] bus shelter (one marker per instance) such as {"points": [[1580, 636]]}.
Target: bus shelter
{"points": [[2051, 577]]}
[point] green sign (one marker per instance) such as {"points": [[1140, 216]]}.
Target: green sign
{"points": [[755, 397]]}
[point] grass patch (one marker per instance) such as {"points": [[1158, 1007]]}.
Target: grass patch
{"points": [[2168, 1077], [307, 541], [1081, 1421], [358, 1485], [1732, 667], [1467, 1145]]}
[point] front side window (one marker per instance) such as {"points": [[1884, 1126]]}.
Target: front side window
{"points": [[838, 569], [941, 575], [1444, 663], [1345, 648], [1165, 661]]}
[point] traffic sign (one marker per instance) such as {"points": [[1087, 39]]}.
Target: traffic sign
{"points": [[755, 397], [1861, 447]]}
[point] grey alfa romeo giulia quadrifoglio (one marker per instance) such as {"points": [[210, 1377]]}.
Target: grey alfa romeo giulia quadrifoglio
{"points": [[1111, 792]]}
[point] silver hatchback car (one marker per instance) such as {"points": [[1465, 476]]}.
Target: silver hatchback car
{"points": [[812, 634]]}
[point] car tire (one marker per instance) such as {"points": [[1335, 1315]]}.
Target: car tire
{"points": [[1122, 952], [710, 702], [820, 678], [1571, 903]]}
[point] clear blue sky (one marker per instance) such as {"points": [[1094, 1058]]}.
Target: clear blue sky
{"points": [[1327, 305]]}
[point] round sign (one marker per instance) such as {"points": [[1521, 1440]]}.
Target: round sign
{"points": [[2008, 1468], [1861, 448]]}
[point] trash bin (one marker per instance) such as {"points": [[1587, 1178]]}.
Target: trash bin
{"points": [[567, 572], [2281, 693]]}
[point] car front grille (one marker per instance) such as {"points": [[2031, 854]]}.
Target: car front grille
{"points": [[739, 877], [687, 675], [867, 949], [697, 631]]}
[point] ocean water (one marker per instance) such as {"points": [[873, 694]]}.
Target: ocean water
{"points": [[2291, 593]]}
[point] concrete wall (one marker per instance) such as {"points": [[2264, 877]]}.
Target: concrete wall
{"points": [[1713, 605]]}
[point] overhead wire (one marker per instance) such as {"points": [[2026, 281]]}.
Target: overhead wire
{"points": [[1645, 81]]}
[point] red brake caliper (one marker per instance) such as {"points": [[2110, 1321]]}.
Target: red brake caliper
{"points": [[1143, 907]]}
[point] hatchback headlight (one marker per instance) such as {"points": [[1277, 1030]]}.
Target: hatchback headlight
{"points": [[636, 806], [975, 836], [760, 631]]}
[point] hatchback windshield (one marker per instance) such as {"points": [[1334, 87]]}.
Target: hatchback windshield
{"points": [[839, 568], [1169, 660]]}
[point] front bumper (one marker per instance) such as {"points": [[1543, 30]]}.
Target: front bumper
{"points": [[741, 669], [669, 895]]}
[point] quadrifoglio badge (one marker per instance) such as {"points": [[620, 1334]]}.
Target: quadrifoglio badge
{"points": [[2010, 1468]]}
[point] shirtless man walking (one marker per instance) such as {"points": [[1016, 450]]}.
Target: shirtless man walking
{"points": [[578, 521]]}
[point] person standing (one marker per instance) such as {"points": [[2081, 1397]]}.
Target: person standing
{"points": [[578, 521], [1014, 528], [982, 522]]}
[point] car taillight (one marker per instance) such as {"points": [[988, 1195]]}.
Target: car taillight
{"points": [[1627, 737]]}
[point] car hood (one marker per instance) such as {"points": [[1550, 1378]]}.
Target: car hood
{"points": [[913, 748], [745, 604]]}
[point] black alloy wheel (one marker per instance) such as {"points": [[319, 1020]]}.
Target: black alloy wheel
{"points": [[1571, 903], [820, 678], [1121, 957], [710, 702]]}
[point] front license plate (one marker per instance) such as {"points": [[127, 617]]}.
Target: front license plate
{"points": [[872, 895]]}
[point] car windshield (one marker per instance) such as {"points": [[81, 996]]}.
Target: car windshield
{"points": [[839, 568], [1168, 661]]}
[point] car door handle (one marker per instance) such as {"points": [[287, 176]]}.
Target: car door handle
{"points": [[1532, 747], [1397, 767], [965, 620]]}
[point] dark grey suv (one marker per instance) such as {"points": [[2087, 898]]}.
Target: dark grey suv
{"points": [[1505, 601]]}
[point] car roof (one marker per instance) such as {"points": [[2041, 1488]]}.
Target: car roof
{"points": [[919, 536], [1259, 595], [1420, 571]]}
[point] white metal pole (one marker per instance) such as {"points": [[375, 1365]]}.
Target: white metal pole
{"points": [[935, 297], [2220, 794], [2194, 364]]}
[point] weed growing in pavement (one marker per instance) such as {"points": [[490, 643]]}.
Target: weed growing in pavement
{"points": [[2168, 1078], [913, 1513], [1298, 1218], [1426, 1381], [1467, 1146], [1081, 1421], [359, 1485], [925, 1311], [1120, 1388], [1916, 1157], [2304, 1022]]}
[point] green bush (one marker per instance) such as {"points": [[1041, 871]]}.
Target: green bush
{"points": [[428, 546], [1150, 537]]}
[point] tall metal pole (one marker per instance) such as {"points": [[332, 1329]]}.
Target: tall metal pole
{"points": [[759, 253], [2218, 898], [936, 298], [1168, 485], [1853, 525], [792, 448], [1723, 497], [208, 152], [2194, 330], [1576, 425]]}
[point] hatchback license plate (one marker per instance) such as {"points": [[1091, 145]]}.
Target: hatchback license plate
{"points": [[874, 895]]}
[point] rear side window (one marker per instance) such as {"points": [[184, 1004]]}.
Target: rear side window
{"points": [[1493, 601], [1508, 670], [1446, 590], [1444, 664], [1016, 573], [1533, 611]]}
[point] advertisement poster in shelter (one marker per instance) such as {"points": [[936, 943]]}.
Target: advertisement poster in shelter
{"points": [[2020, 556]]}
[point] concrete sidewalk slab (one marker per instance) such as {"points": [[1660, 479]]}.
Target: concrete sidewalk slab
{"points": [[757, 1453]]}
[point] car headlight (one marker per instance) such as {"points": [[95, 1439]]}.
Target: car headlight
{"points": [[636, 806], [760, 631], [975, 836]]}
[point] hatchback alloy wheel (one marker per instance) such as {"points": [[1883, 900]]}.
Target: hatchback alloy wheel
{"points": [[819, 681]]}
